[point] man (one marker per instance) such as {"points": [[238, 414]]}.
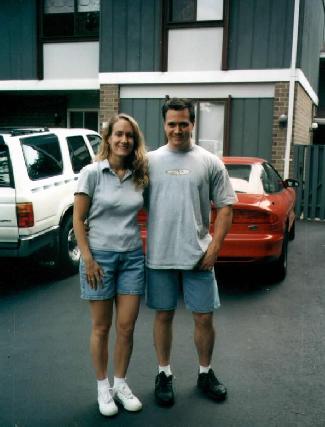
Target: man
{"points": [[184, 179]]}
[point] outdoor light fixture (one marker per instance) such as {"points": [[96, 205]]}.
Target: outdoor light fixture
{"points": [[283, 120]]}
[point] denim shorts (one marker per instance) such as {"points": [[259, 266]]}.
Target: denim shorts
{"points": [[200, 289], [123, 274]]}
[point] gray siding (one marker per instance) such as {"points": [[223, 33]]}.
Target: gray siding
{"points": [[18, 40], [310, 39], [251, 127], [130, 35], [147, 112], [260, 33]]}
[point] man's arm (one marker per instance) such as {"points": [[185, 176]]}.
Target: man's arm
{"points": [[222, 225]]}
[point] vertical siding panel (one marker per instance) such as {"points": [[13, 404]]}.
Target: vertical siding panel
{"points": [[314, 181], [250, 127], [265, 129], [152, 131], [106, 36], [322, 183], [147, 37], [260, 33], [119, 45], [133, 28], [236, 132], [307, 182]]}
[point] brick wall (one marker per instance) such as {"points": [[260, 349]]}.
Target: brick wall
{"points": [[303, 116], [109, 102], [279, 133], [303, 113]]}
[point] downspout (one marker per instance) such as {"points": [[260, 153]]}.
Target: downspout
{"points": [[291, 89]]}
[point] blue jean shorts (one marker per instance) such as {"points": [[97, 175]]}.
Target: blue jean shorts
{"points": [[200, 289], [123, 274]]}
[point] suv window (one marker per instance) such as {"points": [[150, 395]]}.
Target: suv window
{"points": [[43, 156], [5, 180], [79, 153], [94, 140]]}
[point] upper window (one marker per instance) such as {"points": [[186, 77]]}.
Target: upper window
{"points": [[79, 153], [42, 156], [195, 10], [68, 19]]}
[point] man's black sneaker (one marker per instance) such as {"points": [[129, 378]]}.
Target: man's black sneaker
{"points": [[164, 389], [210, 386]]}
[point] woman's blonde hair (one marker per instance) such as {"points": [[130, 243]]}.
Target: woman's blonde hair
{"points": [[137, 160]]}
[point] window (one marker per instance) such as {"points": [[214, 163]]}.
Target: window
{"points": [[5, 176], [95, 141], [43, 156], [272, 182], [66, 19], [204, 26], [209, 129], [83, 119], [195, 10], [79, 153]]}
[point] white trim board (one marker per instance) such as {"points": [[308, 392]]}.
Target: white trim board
{"points": [[198, 91], [64, 84], [212, 77]]}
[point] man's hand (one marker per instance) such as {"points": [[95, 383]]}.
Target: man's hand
{"points": [[209, 259]]}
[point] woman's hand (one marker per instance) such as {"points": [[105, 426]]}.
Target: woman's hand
{"points": [[94, 273]]}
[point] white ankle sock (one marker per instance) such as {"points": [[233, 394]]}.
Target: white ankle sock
{"points": [[118, 382], [101, 384], [204, 369], [165, 369]]}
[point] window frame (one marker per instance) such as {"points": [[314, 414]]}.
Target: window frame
{"points": [[167, 24], [82, 110], [226, 121]]}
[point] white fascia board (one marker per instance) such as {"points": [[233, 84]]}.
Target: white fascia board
{"points": [[301, 78], [203, 91], [179, 77], [66, 84]]}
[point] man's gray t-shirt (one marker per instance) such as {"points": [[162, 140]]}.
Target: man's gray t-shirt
{"points": [[113, 210], [182, 186]]}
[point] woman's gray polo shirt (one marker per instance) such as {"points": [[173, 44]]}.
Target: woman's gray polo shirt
{"points": [[114, 207]]}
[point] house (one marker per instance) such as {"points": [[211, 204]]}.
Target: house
{"points": [[251, 66]]}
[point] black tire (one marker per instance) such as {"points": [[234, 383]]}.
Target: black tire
{"points": [[279, 267], [292, 232], [69, 253]]}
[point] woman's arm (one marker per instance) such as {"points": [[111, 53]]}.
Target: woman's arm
{"points": [[80, 212]]}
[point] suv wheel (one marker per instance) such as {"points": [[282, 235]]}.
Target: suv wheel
{"points": [[69, 253]]}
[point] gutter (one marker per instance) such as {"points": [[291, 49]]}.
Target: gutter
{"points": [[291, 89]]}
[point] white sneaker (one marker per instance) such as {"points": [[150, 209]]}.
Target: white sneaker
{"points": [[106, 403], [124, 395]]}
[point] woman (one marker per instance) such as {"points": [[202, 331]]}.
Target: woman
{"points": [[109, 195]]}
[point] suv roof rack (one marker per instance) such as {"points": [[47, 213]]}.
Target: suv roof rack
{"points": [[16, 131]]}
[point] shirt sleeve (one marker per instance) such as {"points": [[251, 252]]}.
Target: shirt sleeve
{"points": [[221, 190], [87, 181]]}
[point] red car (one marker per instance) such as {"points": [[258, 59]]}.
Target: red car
{"points": [[263, 217]]}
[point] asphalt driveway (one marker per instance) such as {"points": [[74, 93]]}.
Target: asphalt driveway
{"points": [[269, 350]]}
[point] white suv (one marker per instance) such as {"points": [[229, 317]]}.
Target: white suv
{"points": [[38, 173]]}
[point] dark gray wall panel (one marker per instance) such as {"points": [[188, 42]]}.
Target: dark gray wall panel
{"points": [[147, 112], [260, 34], [251, 127], [310, 39], [130, 35], [18, 40]]}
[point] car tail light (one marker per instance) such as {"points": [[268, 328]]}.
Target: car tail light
{"points": [[25, 215], [249, 216]]}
